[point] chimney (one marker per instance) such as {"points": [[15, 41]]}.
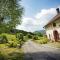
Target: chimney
{"points": [[58, 10]]}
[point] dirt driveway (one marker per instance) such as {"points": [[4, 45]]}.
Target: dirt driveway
{"points": [[34, 51]]}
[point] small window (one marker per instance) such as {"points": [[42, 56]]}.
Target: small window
{"points": [[54, 24]]}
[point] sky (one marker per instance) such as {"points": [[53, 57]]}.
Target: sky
{"points": [[37, 13]]}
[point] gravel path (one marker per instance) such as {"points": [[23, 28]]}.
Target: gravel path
{"points": [[34, 51]]}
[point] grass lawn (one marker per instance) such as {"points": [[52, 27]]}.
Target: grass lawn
{"points": [[54, 44], [10, 53]]}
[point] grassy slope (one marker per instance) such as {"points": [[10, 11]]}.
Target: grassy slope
{"points": [[10, 53]]}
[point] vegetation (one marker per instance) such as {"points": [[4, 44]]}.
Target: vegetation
{"points": [[9, 48], [10, 53], [35, 37], [11, 39], [10, 45], [8, 39], [41, 40], [40, 33], [3, 39], [10, 14], [40, 37], [54, 44]]}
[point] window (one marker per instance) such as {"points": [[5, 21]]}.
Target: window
{"points": [[54, 24]]}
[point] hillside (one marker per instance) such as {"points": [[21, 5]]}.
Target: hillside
{"points": [[14, 31], [40, 31]]}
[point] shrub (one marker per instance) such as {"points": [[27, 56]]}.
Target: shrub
{"points": [[9, 39], [29, 36], [21, 43], [25, 38], [42, 40], [3, 39], [12, 44], [35, 38], [19, 36]]}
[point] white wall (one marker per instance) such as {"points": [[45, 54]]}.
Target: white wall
{"points": [[50, 31]]}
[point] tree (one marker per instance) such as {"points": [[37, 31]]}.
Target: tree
{"points": [[10, 14], [38, 33]]}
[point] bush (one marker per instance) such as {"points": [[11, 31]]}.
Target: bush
{"points": [[29, 36], [25, 38], [9, 39], [19, 36], [12, 44], [3, 39], [42, 40], [35, 38], [38, 33], [21, 43]]}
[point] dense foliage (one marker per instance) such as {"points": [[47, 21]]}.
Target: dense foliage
{"points": [[3, 39], [38, 33], [41, 40], [9, 39], [14, 40], [35, 37], [10, 14]]}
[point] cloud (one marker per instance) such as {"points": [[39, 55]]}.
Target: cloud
{"points": [[45, 15], [39, 20], [27, 24], [46, 12]]}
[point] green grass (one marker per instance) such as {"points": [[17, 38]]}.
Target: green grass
{"points": [[2, 45], [10, 53], [54, 44]]}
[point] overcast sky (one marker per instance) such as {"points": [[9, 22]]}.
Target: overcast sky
{"points": [[37, 14]]}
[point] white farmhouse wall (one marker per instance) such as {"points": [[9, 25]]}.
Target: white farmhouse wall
{"points": [[50, 32], [50, 29]]}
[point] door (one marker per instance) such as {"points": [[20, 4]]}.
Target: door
{"points": [[56, 35]]}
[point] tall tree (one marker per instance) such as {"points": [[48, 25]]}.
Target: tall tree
{"points": [[10, 13]]}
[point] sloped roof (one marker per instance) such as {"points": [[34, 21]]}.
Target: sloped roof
{"points": [[53, 19]]}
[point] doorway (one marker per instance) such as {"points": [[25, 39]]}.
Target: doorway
{"points": [[56, 35]]}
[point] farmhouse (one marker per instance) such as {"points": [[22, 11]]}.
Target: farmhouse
{"points": [[53, 27]]}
